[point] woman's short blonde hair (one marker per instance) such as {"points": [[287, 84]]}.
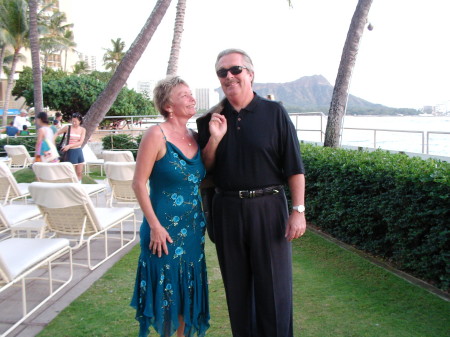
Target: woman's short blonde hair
{"points": [[162, 91]]}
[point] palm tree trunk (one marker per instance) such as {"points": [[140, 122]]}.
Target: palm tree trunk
{"points": [[172, 67], [9, 87], [2, 55], [34, 44], [103, 103], [65, 60], [339, 99]]}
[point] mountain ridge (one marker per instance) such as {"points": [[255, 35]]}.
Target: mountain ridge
{"points": [[314, 93]]}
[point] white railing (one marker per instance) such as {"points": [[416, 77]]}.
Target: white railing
{"points": [[310, 126]]}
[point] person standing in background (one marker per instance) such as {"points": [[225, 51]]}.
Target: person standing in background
{"points": [[21, 120], [54, 126], [74, 143], [251, 146], [58, 118]]}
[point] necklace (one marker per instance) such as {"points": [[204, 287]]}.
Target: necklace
{"points": [[183, 137]]}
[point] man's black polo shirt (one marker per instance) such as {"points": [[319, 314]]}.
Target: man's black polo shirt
{"points": [[260, 147]]}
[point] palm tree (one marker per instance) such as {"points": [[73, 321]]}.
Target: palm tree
{"points": [[2, 51], [14, 25], [81, 67], [172, 67], [339, 99], [114, 56], [56, 37], [35, 59], [106, 99], [70, 45]]}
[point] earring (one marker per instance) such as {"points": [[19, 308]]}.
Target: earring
{"points": [[171, 115]]}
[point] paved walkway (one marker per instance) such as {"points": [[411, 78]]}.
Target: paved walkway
{"points": [[83, 278]]}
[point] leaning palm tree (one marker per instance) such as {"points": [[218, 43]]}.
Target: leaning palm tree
{"points": [[14, 25], [340, 93], [114, 56], [106, 99], [35, 56], [172, 67]]}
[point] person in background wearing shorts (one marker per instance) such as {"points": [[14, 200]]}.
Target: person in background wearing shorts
{"points": [[74, 143]]}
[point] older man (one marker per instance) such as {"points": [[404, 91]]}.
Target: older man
{"points": [[251, 146], [21, 120]]}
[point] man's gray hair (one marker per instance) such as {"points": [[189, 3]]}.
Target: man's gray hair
{"points": [[162, 91]]}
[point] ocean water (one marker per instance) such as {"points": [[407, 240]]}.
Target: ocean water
{"points": [[417, 134]]}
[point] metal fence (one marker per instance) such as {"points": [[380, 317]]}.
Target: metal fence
{"points": [[310, 126]]}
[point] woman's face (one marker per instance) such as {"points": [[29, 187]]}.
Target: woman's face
{"points": [[182, 103], [75, 122]]}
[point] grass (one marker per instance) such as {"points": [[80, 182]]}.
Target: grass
{"points": [[336, 293], [27, 175]]}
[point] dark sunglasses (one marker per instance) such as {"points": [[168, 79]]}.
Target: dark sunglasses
{"points": [[235, 70]]}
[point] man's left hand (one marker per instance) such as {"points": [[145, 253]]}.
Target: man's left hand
{"points": [[296, 226]]}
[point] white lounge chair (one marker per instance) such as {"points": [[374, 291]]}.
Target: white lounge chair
{"points": [[118, 156], [90, 159], [69, 212], [20, 157], [10, 189], [20, 258], [120, 177], [16, 219], [64, 173], [6, 160]]}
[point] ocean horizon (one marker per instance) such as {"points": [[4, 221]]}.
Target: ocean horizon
{"points": [[415, 134]]}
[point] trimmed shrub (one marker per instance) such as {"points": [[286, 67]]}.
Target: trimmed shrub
{"points": [[389, 205], [120, 141], [29, 142]]}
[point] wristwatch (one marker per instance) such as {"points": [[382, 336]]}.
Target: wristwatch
{"points": [[299, 208]]}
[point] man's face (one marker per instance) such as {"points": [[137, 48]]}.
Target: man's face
{"points": [[23, 114], [235, 86]]}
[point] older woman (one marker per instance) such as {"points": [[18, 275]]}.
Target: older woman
{"points": [[171, 290]]}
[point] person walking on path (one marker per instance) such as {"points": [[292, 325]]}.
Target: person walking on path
{"points": [[251, 146], [45, 144], [74, 143], [171, 289]]}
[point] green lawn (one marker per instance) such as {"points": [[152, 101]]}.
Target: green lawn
{"points": [[336, 293]]}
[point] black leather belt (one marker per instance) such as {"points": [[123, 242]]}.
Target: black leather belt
{"points": [[246, 194]]}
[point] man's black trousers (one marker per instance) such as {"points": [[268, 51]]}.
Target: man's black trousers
{"points": [[256, 263]]}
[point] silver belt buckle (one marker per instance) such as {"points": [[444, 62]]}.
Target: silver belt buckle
{"points": [[240, 194]]}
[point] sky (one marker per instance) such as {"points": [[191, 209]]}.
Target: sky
{"points": [[403, 62]]}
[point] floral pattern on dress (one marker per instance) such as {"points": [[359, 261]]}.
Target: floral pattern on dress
{"points": [[175, 194]]}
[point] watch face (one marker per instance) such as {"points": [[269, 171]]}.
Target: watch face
{"points": [[299, 208]]}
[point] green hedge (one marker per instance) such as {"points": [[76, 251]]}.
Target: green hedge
{"points": [[121, 141], [390, 205], [29, 142]]}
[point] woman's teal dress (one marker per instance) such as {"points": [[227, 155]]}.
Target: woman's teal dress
{"points": [[174, 284]]}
